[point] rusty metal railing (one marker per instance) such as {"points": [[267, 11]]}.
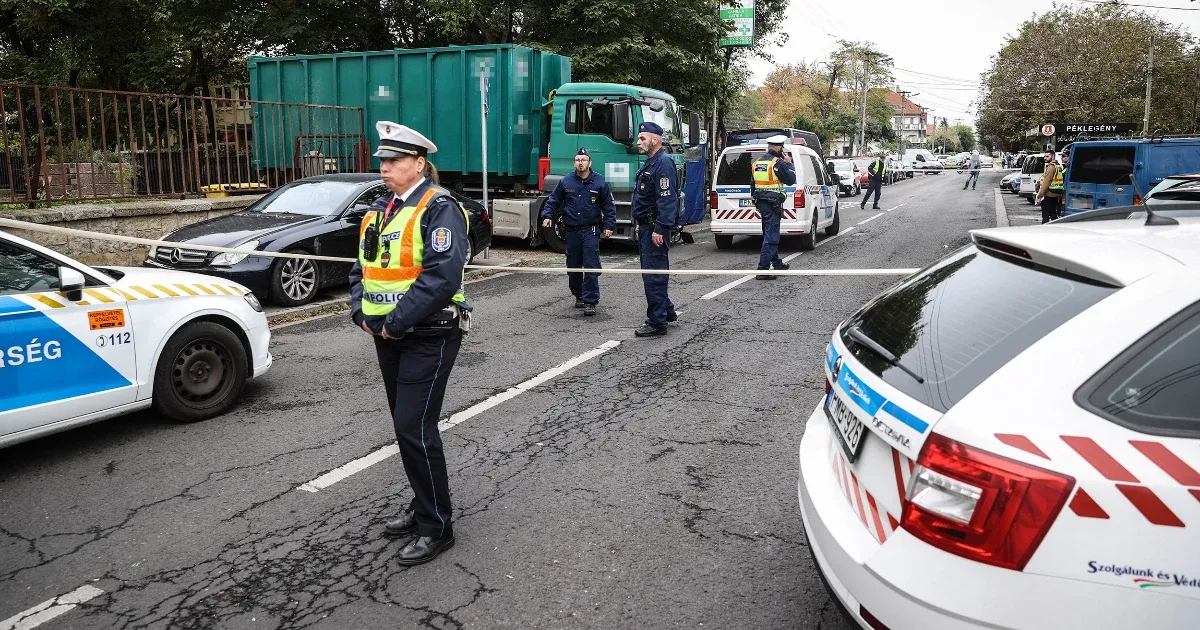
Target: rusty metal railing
{"points": [[59, 144]]}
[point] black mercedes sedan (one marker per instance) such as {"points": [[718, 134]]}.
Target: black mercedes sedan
{"points": [[316, 215]]}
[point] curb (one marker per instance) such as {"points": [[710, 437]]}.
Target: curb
{"points": [[1001, 211]]}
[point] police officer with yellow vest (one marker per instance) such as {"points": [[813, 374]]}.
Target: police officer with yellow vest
{"points": [[407, 292], [772, 173]]}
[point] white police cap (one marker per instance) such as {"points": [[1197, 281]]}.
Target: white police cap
{"points": [[396, 140], [779, 139]]}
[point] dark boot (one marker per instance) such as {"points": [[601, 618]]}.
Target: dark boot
{"points": [[424, 549], [649, 331], [404, 526]]}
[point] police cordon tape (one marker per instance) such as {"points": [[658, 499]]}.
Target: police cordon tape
{"points": [[100, 236]]}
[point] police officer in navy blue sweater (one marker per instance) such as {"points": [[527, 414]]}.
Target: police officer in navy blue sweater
{"points": [[655, 209], [584, 202]]}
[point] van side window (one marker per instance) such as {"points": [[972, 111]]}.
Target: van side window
{"points": [[584, 117], [822, 176]]}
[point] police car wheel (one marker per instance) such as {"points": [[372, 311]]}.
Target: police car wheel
{"points": [[836, 226], [809, 241], [724, 241], [294, 281], [200, 372]]}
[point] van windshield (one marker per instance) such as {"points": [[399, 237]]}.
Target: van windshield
{"points": [[1102, 165]]}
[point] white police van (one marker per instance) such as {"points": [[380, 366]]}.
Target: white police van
{"points": [[80, 344], [811, 204]]}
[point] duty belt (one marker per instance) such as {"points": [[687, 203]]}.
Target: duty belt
{"points": [[577, 228]]}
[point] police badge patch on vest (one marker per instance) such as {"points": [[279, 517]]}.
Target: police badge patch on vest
{"points": [[441, 240]]}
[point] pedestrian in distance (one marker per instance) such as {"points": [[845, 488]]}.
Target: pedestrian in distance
{"points": [[585, 205], [406, 291], [1050, 190], [973, 166], [876, 172], [655, 210], [772, 174]]}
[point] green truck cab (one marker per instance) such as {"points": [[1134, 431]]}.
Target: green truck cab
{"points": [[536, 120], [604, 118]]}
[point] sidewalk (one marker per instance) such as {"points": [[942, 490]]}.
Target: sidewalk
{"points": [[1020, 211]]}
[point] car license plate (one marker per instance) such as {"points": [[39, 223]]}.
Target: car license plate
{"points": [[850, 430], [1081, 203], [745, 203]]}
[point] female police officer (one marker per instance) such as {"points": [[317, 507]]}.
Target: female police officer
{"points": [[406, 291]]}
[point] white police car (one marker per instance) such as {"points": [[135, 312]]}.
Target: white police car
{"points": [[811, 206], [80, 344], [1011, 437]]}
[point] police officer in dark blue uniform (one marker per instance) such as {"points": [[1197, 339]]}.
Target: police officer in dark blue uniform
{"points": [[406, 291], [655, 210], [772, 174], [586, 205]]}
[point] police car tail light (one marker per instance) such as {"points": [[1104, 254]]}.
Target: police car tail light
{"points": [[712, 200], [799, 198], [981, 506]]}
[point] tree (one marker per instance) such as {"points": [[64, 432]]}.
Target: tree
{"points": [[1087, 64], [965, 136], [789, 90], [944, 141]]}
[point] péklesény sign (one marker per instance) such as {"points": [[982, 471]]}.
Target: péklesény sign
{"points": [[741, 14]]}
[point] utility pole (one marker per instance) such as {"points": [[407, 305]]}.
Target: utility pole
{"points": [[862, 130], [1195, 98], [1149, 85]]}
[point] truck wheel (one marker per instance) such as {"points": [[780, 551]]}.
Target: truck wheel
{"points": [[200, 372], [724, 241], [809, 241], [555, 238], [836, 226]]}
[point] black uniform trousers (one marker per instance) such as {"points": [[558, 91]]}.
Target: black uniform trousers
{"points": [[415, 371]]}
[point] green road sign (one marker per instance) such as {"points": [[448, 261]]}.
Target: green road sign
{"points": [[741, 15]]}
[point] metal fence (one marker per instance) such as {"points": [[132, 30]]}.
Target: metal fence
{"points": [[65, 143]]}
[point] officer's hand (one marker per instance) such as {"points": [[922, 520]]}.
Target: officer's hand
{"points": [[547, 223], [369, 331], [607, 233], [787, 157], [658, 239], [383, 332]]}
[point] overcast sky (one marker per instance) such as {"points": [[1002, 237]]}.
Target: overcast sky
{"points": [[940, 46]]}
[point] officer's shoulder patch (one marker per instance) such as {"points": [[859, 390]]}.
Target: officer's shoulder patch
{"points": [[441, 240], [664, 183]]}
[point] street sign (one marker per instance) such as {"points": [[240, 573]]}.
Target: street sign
{"points": [[1047, 129], [741, 14]]}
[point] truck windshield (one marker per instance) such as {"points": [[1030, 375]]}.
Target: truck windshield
{"points": [[668, 119]]}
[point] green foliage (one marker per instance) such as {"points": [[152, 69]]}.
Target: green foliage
{"points": [[1087, 64]]}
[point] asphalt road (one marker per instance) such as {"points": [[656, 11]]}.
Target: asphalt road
{"points": [[650, 485]]}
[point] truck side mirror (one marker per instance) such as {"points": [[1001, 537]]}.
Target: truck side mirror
{"points": [[694, 129], [71, 283], [622, 129]]}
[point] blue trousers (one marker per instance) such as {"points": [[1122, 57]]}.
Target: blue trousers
{"points": [[658, 305], [583, 252], [771, 215], [972, 178], [873, 186]]}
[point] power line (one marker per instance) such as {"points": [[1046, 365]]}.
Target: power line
{"points": [[1144, 6], [938, 76]]}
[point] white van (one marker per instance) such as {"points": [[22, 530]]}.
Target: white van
{"points": [[920, 161], [811, 204], [1031, 176]]}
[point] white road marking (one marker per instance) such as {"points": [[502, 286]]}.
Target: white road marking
{"points": [[894, 208], [50, 609], [366, 461], [740, 281], [870, 219]]}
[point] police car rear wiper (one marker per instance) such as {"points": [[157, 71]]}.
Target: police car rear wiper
{"points": [[863, 340]]}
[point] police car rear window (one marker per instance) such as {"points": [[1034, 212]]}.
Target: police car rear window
{"points": [[963, 319], [734, 169], [1154, 387]]}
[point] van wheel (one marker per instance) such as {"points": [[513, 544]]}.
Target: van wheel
{"points": [[200, 372], [555, 237], [724, 241], [836, 226], [809, 241]]}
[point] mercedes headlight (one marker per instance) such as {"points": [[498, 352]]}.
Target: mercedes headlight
{"points": [[227, 259]]}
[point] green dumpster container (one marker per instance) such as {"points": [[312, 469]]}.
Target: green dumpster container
{"points": [[433, 90]]}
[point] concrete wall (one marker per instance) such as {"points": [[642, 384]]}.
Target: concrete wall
{"points": [[143, 219]]}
